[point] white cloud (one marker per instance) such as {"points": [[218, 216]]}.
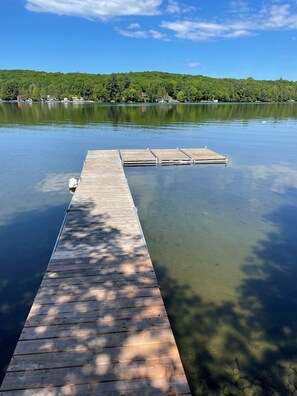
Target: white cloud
{"points": [[240, 19], [272, 18], [199, 31], [173, 7], [133, 33], [191, 65], [158, 35], [133, 26], [279, 17], [145, 34], [101, 9], [239, 6]]}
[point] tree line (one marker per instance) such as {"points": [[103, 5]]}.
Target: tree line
{"points": [[141, 87]]}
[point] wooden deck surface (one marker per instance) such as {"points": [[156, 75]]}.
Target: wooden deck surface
{"points": [[98, 325], [138, 157], [205, 156], [170, 157]]}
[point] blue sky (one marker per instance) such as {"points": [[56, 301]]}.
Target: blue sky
{"points": [[217, 38]]}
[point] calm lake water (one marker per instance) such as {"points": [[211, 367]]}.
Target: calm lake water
{"points": [[222, 239]]}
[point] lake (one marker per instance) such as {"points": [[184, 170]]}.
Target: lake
{"points": [[222, 238]]}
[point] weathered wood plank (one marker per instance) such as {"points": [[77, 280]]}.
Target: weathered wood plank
{"points": [[70, 318], [62, 270], [135, 256], [72, 307], [44, 361], [82, 271], [91, 328], [90, 284], [93, 293], [143, 278], [84, 343], [98, 276], [176, 385], [152, 368], [106, 251]]}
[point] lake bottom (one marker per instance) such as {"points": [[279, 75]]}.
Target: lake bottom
{"points": [[224, 254]]}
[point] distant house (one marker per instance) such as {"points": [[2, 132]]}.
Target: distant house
{"points": [[144, 96]]}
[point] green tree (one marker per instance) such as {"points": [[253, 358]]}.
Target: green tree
{"points": [[87, 90], [10, 90], [193, 94], [181, 97], [99, 93], [123, 84], [131, 94], [112, 88], [152, 91]]}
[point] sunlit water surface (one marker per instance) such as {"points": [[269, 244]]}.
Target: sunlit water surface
{"points": [[222, 239]]}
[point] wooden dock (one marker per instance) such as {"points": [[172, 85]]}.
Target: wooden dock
{"points": [[98, 325], [170, 157]]}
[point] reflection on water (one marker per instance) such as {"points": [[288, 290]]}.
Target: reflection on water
{"points": [[223, 246], [222, 238], [282, 176], [145, 115], [27, 240], [54, 182]]}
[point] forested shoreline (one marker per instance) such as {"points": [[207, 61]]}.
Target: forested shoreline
{"points": [[140, 87]]}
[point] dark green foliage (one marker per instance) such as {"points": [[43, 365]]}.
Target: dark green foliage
{"points": [[9, 89], [124, 87], [112, 88]]}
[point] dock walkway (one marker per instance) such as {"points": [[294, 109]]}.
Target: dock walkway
{"points": [[98, 324]]}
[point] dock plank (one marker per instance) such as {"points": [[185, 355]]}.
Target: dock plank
{"points": [[96, 343], [50, 360], [92, 328], [152, 368], [55, 317], [80, 308], [157, 387]]}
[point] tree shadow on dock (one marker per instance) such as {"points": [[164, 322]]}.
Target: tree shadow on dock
{"points": [[247, 346], [98, 324]]}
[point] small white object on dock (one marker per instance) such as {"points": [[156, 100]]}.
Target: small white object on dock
{"points": [[73, 182]]}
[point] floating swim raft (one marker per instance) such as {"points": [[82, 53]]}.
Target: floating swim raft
{"points": [[98, 325], [170, 157]]}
